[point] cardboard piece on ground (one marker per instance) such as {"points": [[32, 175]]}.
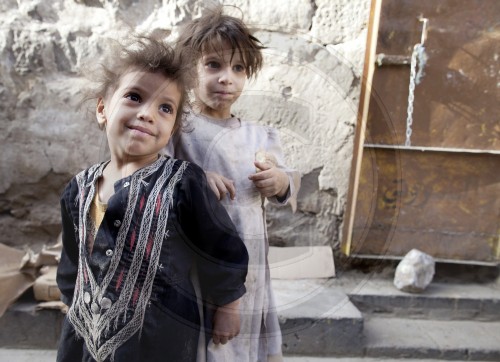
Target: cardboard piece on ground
{"points": [[13, 281], [20, 268], [45, 288], [49, 255], [52, 305], [301, 262]]}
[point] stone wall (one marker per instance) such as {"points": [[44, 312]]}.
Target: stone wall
{"points": [[308, 89]]}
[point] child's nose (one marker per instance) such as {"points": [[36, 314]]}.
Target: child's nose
{"points": [[145, 113], [225, 76]]}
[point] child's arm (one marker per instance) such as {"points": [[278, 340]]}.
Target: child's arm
{"points": [[67, 269], [226, 322], [221, 255]]}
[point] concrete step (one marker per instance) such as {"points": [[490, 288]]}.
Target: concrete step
{"points": [[367, 316], [313, 317], [441, 301], [358, 359], [316, 319], [27, 355], [445, 340], [37, 355], [319, 319]]}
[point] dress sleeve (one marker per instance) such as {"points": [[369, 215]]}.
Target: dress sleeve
{"points": [[273, 146], [68, 266], [221, 255]]}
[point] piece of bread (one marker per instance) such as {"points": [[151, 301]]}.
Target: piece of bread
{"points": [[262, 156]]}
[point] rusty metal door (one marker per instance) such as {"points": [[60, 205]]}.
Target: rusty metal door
{"points": [[428, 177]]}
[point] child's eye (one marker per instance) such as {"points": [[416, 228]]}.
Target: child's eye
{"points": [[213, 65], [238, 68], [166, 108], [134, 97]]}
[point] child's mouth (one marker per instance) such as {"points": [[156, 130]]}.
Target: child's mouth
{"points": [[224, 94], [141, 130]]}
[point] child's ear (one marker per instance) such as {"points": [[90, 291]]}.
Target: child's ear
{"points": [[100, 114]]}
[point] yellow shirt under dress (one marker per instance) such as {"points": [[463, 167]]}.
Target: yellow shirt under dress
{"points": [[97, 211]]}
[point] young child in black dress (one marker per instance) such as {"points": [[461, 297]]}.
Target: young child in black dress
{"points": [[136, 226]]}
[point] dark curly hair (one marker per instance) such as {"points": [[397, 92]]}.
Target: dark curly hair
{"points": [[213, 29], [150, 54]]}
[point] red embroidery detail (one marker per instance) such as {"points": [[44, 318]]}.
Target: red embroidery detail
{"points": [[132, 240], [119, 280], [141, 203], [158, 205], [135, 297], [149, 247]]}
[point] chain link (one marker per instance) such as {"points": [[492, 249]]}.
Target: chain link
{"points": [[417, 49]]}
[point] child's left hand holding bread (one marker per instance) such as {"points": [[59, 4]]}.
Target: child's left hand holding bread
{"points": [[269, 179]]}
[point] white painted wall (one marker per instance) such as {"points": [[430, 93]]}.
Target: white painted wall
{"points": [[308, 89]]}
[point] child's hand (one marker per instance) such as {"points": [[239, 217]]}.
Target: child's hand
{"points": [[221, 185], [226, 322], [270, 181]]}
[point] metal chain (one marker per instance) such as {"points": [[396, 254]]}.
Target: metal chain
{"points": [[411, 92]]}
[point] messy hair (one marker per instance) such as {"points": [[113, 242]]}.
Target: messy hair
{"points": [[213, 29], [149, 54]]}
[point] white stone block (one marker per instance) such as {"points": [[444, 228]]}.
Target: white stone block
{"points": [[415, 272], [301, 262]]}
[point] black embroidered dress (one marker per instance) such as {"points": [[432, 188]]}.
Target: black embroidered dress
{"points": [[131, 298]]}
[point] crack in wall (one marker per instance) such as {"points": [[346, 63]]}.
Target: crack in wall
{"points": [[314, 10]]}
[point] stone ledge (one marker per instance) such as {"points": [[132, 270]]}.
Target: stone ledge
{"points": [[317, 320], [439, 301], [446, 340]]}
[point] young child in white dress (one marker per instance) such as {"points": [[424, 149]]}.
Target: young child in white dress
{"points": [[244, 165]]}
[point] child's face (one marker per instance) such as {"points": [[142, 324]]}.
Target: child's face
{"points": [[139, 115], [222, 76]]}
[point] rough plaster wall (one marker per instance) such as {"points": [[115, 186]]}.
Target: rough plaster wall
{"points": [[308, 90]]}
